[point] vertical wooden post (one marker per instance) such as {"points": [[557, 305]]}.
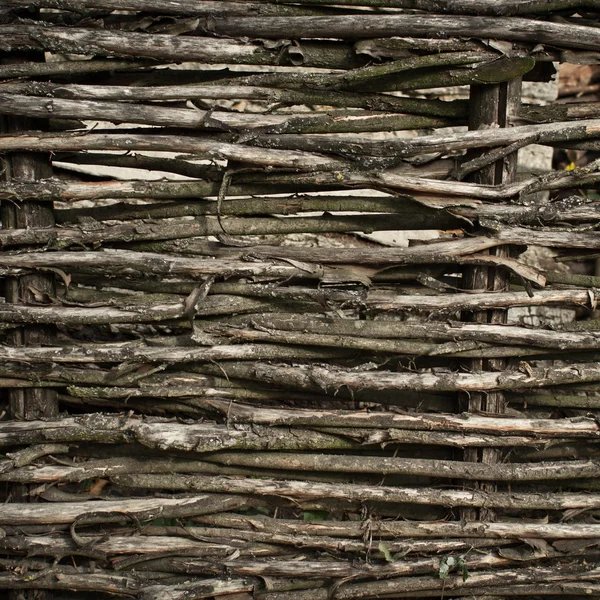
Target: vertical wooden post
{"points": [[34, 403], [35, 288], [489, 106], [29, 403]]}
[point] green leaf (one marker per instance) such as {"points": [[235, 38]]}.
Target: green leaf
{"points": [[386, 552], [447, 565]]}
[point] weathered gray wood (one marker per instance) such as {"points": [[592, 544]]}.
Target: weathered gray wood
{"points": [[375, 102], [302, 377], [414, 25], [105, 42], [154, 431], [306, 491], [212, 7], [173, 7], [447, 331], [281, 379], [143, 508], [165, 434], [147, 230], [59, 108], [275, 464], [409, 529]]}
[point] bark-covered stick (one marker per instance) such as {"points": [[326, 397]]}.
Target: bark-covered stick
{"points": [[163, 47], [259, 7], [143, 508], [309, 159], [447, 331], [35, 106], [302, 491], [177, 542], [411, 25], [400, 529], [195, 436], [277, 464], [143, 230], [412, 211], [315, 377], [161, 434], [574, 209], [373, 102], [377, 301]]}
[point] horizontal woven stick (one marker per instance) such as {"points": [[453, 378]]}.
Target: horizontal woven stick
{"points": [[83, 376], [572, 209], [460, 252], [552, 238], [140, 311], [465, 423], [375, 301], [444, 142], [163, 434], [176, 7], [375, 255], [128, 261], [411, 347], [448, 331], [544, 133], [478, 301], [524, 581], [62, 545], [443, 469], [370, 101], [165, 354], [143, 230], [309, 377], [258, 7], [236, 266], [111, 42], [492, 582], [475, 7], [106, 467], [439, 70], [205, 402], [246, 566], [235, 294], [203, 148], [143, 508], [177, 542], [277, 464], [73, 67], [302, 491], [342, 173], [119, 112], [558, 399], [435, 194], [557, 112], [80, 579], [196, 436], [400, 529], [413, 25], [260, 206]]}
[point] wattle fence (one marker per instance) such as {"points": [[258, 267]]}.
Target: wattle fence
{"points": [[223, 374]]}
